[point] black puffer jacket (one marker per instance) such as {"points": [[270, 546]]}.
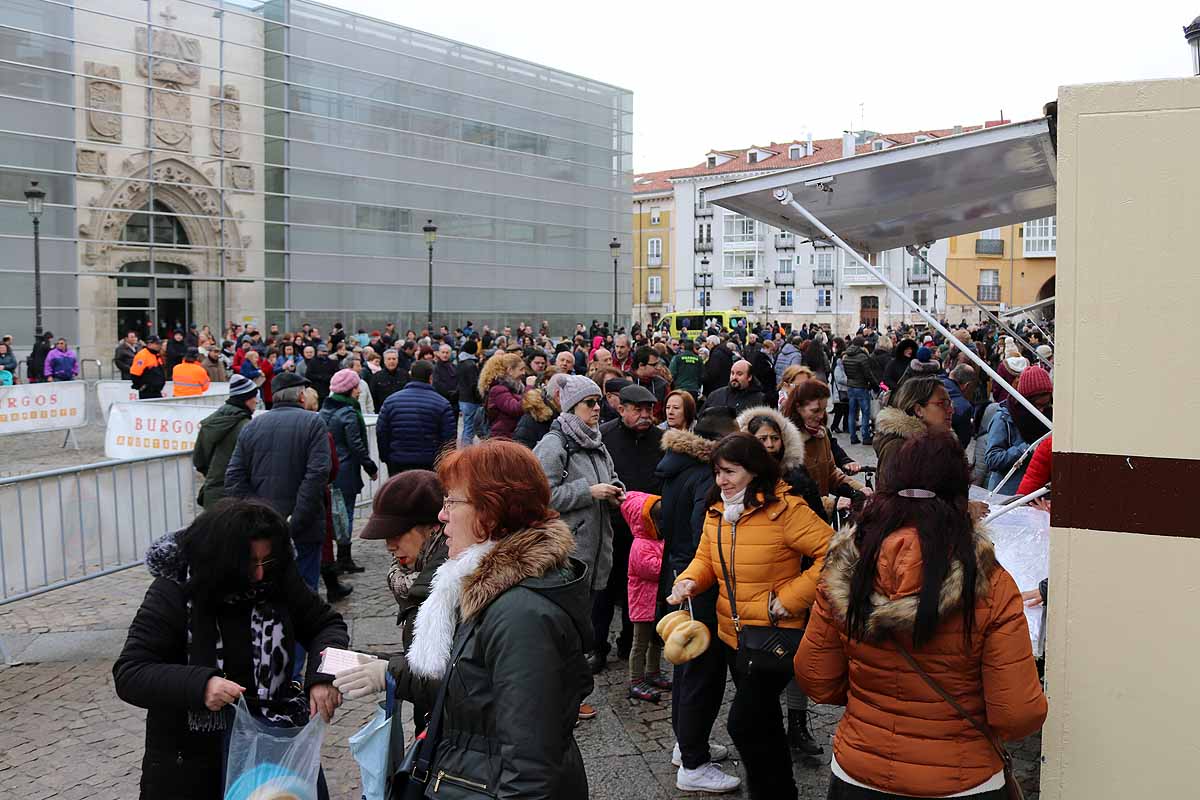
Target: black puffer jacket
{"points": [[686, 479], [384, 384], [153, 672], [283, 457], [514, 694]]}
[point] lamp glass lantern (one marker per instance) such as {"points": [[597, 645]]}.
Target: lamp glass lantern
{"points": [[430, 233], [35, 198], [1192, 34]]}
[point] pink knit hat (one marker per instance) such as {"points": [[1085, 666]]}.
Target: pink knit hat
{"points": [[343, 381]]}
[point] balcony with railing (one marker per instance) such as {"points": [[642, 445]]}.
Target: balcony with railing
{"points": [[785, 278], [654, 298], [858, 276], [703, 211], [918, 276], [654, 261], [785, 241], [704, 245], [988, 294], [823, 276], [989, 247], [741, 280]]}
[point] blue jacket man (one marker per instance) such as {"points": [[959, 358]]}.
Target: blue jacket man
{"points": [[415, 423], [958, 384]]}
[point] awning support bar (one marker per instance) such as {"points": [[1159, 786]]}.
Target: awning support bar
{"points": [[916, 253], [784, 196]]}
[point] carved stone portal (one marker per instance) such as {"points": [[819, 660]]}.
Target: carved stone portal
{"points": [[173, 118], [103, 95], [225, 115], [176, 58], [91, 164], [239, 177]]}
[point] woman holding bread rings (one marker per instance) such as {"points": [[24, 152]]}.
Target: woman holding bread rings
{"points": [[755, 538]]}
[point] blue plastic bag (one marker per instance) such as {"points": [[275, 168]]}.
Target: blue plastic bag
{"points": [[369, 746], [266, 761]]}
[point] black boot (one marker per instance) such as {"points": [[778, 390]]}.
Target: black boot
{"points": [[334, 589], [800, 740], [345, 563]]}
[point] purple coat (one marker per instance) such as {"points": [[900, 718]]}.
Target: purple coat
{"points": [[60, 365]]}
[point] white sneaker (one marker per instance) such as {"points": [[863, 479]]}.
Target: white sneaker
{"points": [[716, 752], [706, 778]]}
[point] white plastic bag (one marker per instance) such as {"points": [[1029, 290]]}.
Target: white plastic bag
{"points": [[272, 763], [369, 745]]}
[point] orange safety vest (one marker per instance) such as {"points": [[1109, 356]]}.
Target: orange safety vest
{"points": [[189, 379], [145, 360]]}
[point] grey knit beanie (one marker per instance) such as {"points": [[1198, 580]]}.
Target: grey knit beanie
{"points": [[576, 389]]}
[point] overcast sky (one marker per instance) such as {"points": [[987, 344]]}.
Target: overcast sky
{"points": [[723, 75]]}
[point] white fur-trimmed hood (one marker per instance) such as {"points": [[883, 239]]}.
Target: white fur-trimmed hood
{"points": [[793, 438]]}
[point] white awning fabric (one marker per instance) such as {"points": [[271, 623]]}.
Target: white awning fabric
{"points": [[912, 194]]}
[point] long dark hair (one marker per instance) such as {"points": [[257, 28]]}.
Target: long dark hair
{"points": [[934, 462], [743, 449], [217, 547]]}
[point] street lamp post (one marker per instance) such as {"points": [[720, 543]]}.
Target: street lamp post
{"points": [[1192, 34], [767, 302], [703, 281], [430, 237], [35, 197], [614, 247]]}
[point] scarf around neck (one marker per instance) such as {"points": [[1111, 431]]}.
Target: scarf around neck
{"points": [[734, 505], [579, 432], [437, 618]]}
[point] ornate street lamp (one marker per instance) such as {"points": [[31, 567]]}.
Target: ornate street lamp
{"points": [[614, 247], [1192, 34], [36, 197], [430, 237], [703, 282]]}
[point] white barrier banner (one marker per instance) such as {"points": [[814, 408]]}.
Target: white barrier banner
{"points": [[150, 429], [30, 407], [109, 392]]}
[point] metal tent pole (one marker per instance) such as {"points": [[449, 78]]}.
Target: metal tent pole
{"points": [[1018, 503], [916, 253], [784, 196]]}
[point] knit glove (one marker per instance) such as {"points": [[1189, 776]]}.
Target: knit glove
{"points": [[366, 679], [777, 609]]}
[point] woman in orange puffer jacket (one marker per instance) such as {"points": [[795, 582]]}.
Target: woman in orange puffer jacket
{"points": [[916, 574]]}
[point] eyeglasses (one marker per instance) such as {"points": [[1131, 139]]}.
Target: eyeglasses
{"points": [[450, 502], [265, 564], [591, 402]]}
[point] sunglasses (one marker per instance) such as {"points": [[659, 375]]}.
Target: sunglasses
{"points": [[591, 402]]}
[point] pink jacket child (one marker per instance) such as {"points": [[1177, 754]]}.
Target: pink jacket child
{"points": [[641, 512]]}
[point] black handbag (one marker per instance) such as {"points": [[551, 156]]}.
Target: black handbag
{"points": [[762, 649], [411, 776]]}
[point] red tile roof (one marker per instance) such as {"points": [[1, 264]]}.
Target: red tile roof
{"points": [[823, 150]]}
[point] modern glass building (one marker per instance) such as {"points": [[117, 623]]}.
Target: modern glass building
{"points": [[215, 161]]}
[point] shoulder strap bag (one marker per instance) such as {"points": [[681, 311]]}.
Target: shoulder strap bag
{"points": [[412, 775], [762, 649], [1011, 786]]}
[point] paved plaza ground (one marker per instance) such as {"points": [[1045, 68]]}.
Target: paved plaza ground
{"points": [[67, 735]]}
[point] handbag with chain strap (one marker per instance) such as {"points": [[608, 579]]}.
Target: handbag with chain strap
{"points": [[1011, 787]]}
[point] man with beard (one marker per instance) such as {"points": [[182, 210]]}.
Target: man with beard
{"points": [[741, 393]]}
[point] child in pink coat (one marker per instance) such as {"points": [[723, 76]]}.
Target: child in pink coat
{"points": [[641, 512]]}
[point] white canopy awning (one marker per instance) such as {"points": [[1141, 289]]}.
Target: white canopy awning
{"points": [[912, 194]]}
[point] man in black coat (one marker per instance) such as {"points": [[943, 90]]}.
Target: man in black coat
{"points": [[283, 457], [742, 392], [36, 366], [320, 371], [445, 378], [388, 380], [633, 442], [176, 350], [762, 369], [716, 370]]}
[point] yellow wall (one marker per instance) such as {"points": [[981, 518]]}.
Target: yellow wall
{"points": [[1021, 279], [643, 232]]}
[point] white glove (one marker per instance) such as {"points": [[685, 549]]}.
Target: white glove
{"points": [[778, 611], [366, 679]]}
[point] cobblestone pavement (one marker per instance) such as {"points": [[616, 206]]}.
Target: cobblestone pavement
{"points": [[67, 735]]}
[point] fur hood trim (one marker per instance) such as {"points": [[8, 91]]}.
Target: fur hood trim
{"points": [[899, 615], [538, 406], [895, 422], [687, 443], [528, 553], [793, 438], [437, 618]]}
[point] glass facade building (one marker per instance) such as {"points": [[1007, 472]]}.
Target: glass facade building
{"points": [[214, 161]]}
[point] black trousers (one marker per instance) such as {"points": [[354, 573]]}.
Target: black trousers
{"points": [[840, 790], [756, 726], [699, 686]]}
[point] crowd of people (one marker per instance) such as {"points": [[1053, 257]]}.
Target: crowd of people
{"points": [[545, 490]]}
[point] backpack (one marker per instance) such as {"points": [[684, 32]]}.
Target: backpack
{"points": [[481, 423]]}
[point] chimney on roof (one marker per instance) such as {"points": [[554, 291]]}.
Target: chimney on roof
{"points": [[957, 129], [847, 144], [808, 148]]}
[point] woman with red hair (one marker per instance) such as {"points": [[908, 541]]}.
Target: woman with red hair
{"points": [[505, 629]]}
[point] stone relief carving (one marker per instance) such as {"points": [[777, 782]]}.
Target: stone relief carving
{"points": [[176, 58], [103, 95], [239, 177], [225, 112], [90, 164], [173, 117]]}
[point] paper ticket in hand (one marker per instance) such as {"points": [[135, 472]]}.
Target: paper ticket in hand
{"points": [[335, 661]]}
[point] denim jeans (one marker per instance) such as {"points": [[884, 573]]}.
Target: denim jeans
{"points": [[349, 498], [860, 400], [468, 418]]}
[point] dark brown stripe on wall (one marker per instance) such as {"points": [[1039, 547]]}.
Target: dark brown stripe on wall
{"points": [[1130, 494]]}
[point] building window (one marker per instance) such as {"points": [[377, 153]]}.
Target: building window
{"points": [[794, 154], [740, 265], [918, 139], [382, 218], [712, 162], [654, 289], [785, 298], [990, 234], [989, 277], [877, 145], [654, 252], [752, 157], [920, 297], [785, 265], [740, 229], [824, 298], [704, 232], [919, 269], [1041, 237], [747, 298], [655, 216], [823, 260]]}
